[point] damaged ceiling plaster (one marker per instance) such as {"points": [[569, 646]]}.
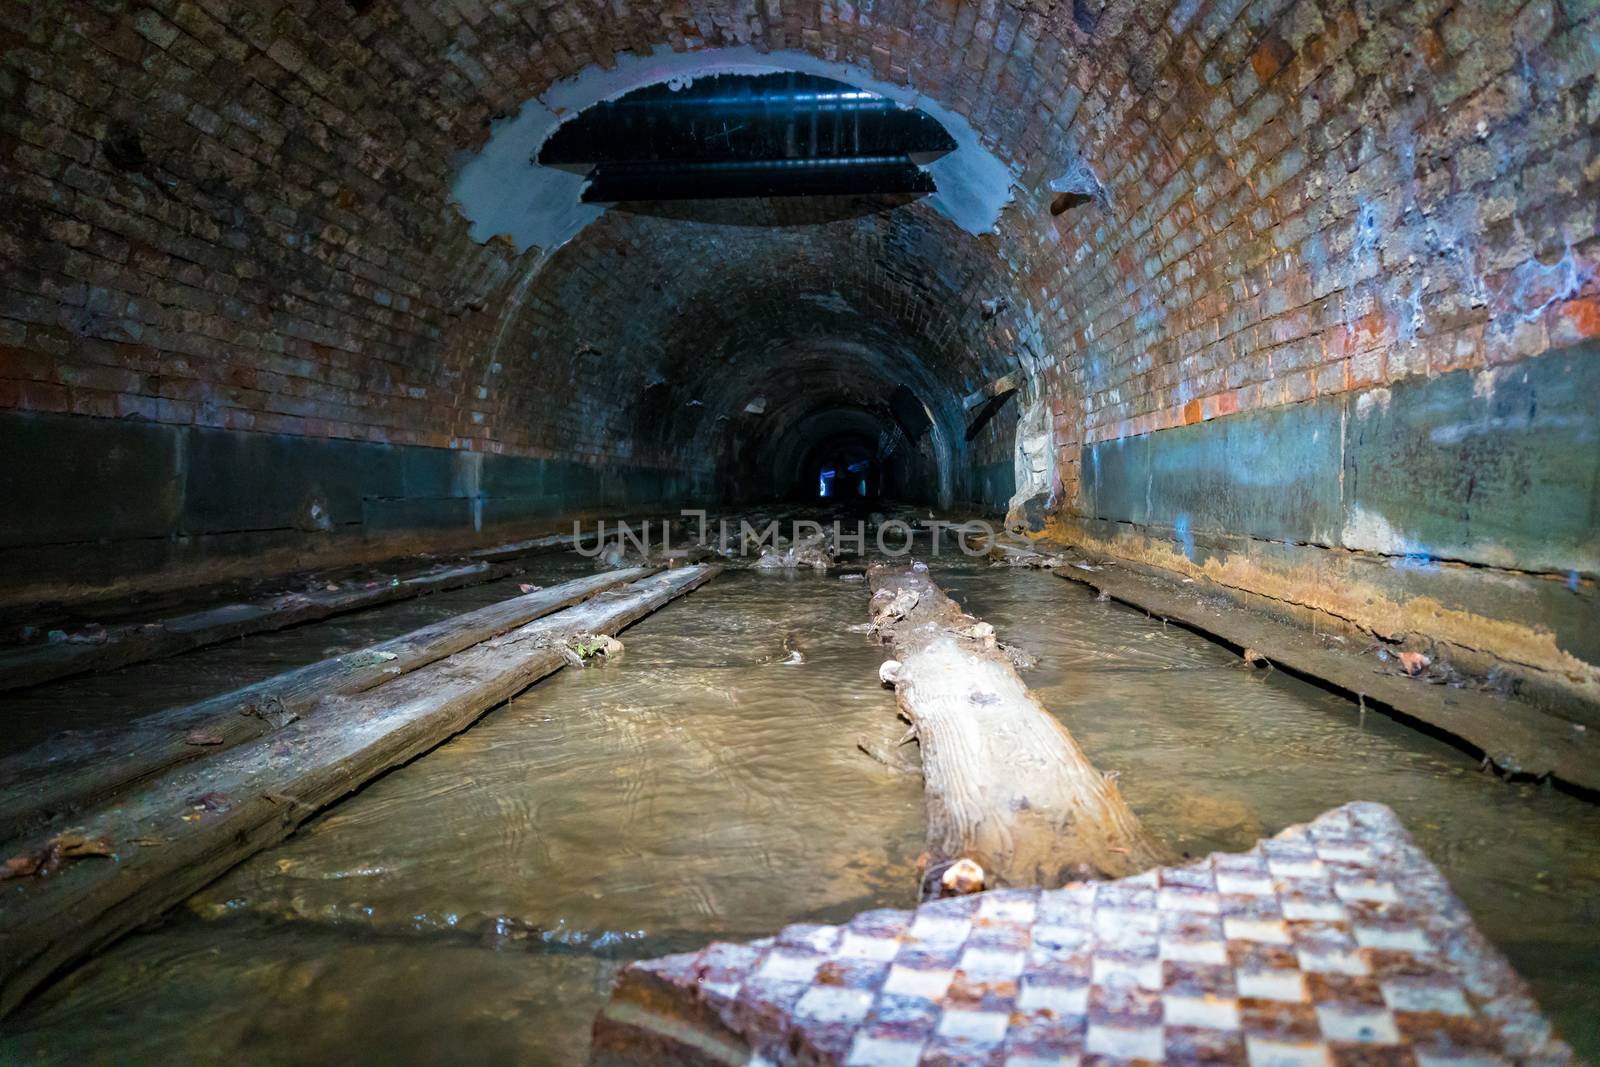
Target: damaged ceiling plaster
{"points": [[501, 191]]}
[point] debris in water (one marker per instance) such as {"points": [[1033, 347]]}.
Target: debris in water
{"points": [[527, 587], [585, 650], [852, 577], [794, 660], [1414, 663], [1020, 658], [961, 877]]}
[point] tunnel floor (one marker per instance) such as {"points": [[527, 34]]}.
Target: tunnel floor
{"points": [[709, 786]]}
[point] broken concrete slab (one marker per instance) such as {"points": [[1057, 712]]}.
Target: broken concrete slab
{"points": [[1335, 942]]}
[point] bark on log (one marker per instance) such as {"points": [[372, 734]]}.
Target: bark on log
{"points": [[66, 774], [1005, 784], [187, 827]]}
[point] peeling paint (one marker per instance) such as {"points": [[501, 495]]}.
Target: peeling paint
{"points": [[1360, 604], [1378, 398]]}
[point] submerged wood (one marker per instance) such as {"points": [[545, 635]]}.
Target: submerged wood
{"points": [[65, 774], [1006, 785], [183, 829], [135, 642]]}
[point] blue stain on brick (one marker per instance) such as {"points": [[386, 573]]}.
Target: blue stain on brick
{"points": [[1181, 528], [1415, 559]]}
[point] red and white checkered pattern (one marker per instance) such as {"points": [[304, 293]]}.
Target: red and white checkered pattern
{"points": [[1336, 942]]}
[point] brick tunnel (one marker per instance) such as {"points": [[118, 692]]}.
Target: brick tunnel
{"points": [[1279, 320]]}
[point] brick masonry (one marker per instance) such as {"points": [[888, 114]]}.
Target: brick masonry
{"points": [[234, 215]]}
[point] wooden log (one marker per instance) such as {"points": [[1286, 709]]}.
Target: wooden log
{"points": [[532, 546], [1006, 786], [67, 773], [182, 830], [136, 642]]}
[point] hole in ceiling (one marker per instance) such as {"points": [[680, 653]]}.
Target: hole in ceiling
{"points": [[1067, 201], [733, 136]]}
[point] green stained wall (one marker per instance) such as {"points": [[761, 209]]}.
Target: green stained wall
{"points": [[1500, 468]]}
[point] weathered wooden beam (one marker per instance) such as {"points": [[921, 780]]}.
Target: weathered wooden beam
{"points": [[1009, 383], [515, 549], [1515, 736], [1006, 786], [135, 642], [67, 773], [188, 826]]}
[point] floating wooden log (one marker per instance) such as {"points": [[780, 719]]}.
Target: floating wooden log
{"points": [[1006, 786], [1333, 942], [67, 773], [158, 844]]}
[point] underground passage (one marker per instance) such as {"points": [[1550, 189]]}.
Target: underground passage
{"points": [[1010, 533]]}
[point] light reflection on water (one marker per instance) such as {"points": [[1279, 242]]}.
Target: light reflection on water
{"points": [[474, 905]]}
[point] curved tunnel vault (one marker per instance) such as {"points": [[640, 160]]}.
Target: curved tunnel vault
{"points": [[729, 347], [1189, 238]]}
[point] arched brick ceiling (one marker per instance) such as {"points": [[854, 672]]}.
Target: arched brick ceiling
{"points": [[235, 212], [706, 317]]}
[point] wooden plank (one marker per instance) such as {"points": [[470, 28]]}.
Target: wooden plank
{"points": [[136, 642], [1006, 785], [185, 828], [532, 546], [1009, 383], [1513, 735], [67, 773]]}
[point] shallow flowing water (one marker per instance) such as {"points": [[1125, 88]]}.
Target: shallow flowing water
{"points": [[474, 905]]}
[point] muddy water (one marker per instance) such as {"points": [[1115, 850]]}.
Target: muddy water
{"points": [[1214, 755], [474, 905], [101, 700]]}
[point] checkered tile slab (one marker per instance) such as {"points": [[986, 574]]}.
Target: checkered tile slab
{"points": [[1336, 942]]}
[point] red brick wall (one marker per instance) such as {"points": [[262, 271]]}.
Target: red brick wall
{"points": [[236, 214]]}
